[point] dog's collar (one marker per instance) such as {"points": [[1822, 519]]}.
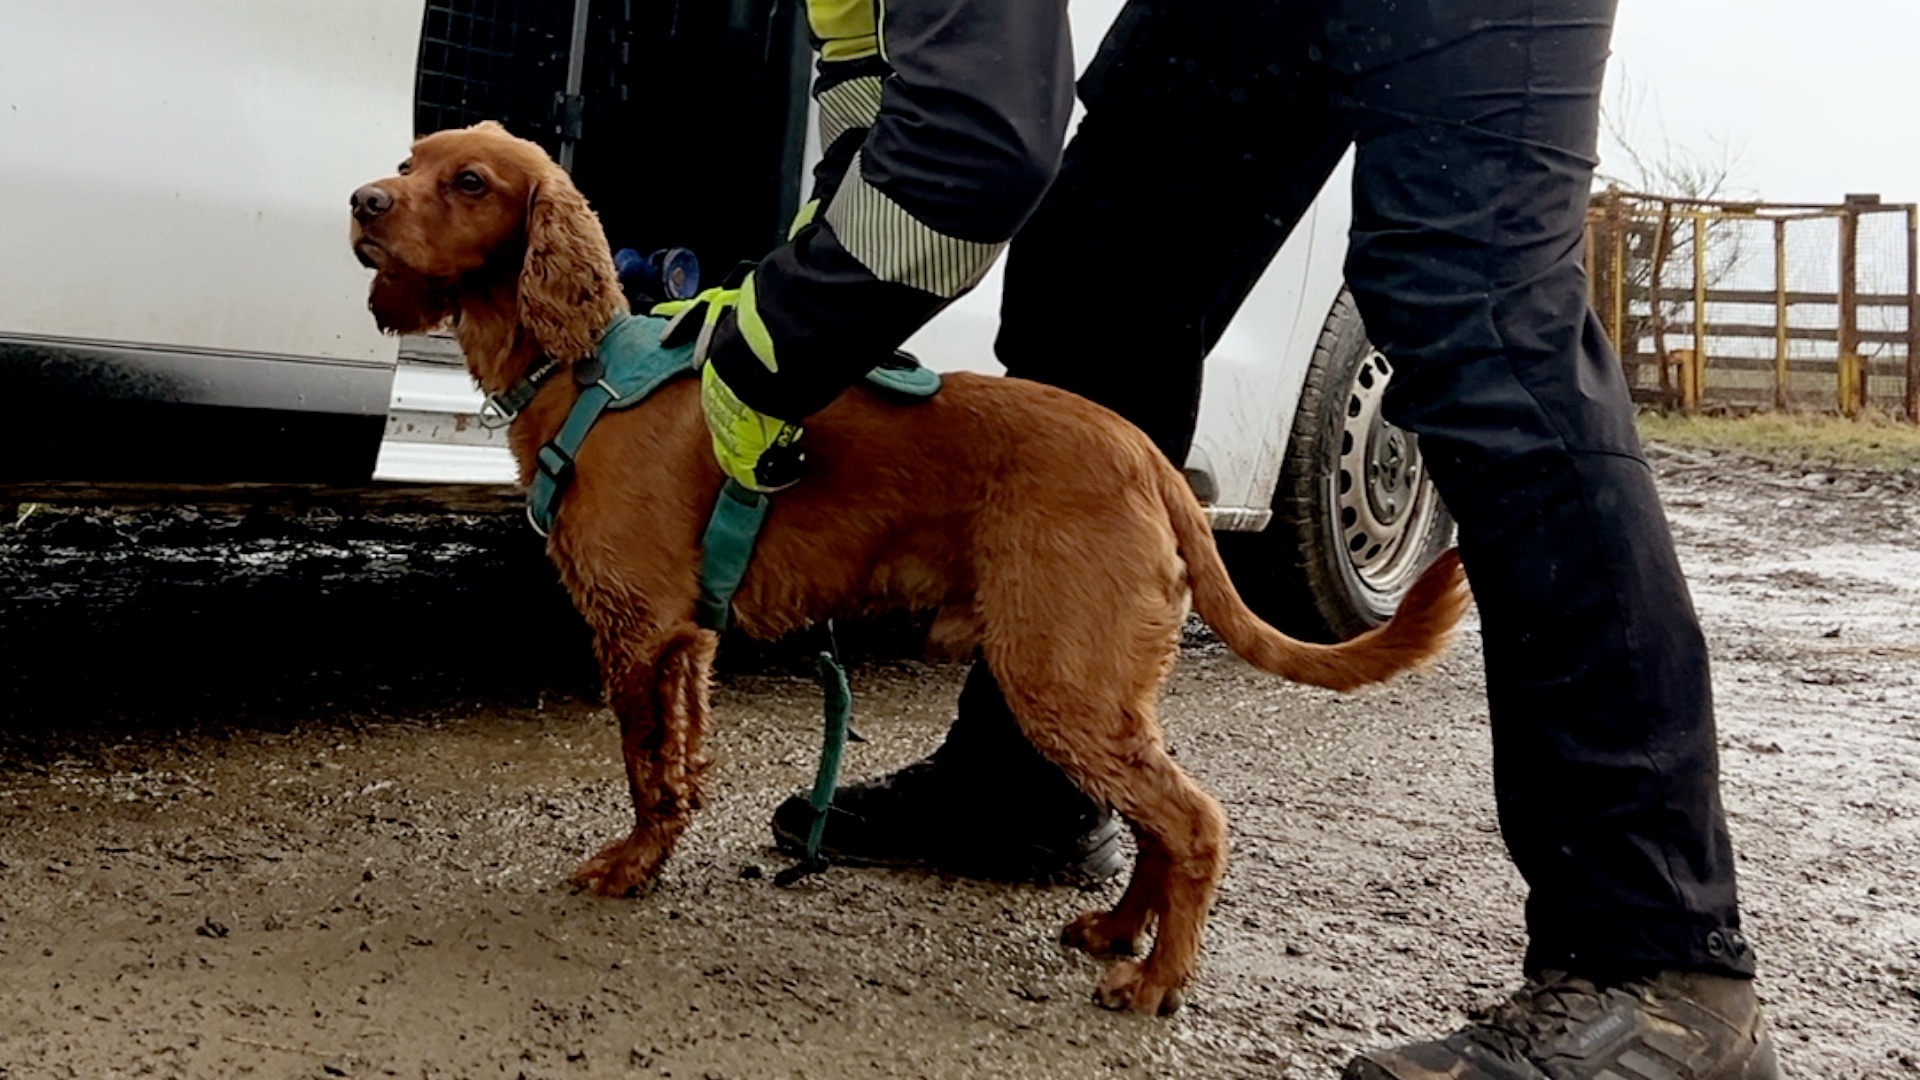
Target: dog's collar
{"points": [[498, 410]]}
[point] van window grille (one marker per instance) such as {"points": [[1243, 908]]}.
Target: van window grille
{"points": [[502, 60]]}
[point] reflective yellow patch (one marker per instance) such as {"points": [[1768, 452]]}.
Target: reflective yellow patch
{"points": [[717, 301], [753, 328], [804, 218], [847, 29]]}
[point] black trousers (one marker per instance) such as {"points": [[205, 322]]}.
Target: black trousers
{"points": [[1209, 129]]}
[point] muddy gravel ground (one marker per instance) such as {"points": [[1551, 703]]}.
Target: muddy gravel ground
{"points": [[299, 797]]}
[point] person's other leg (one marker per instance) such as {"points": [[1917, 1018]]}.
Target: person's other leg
{"points": [[1476, 131]]}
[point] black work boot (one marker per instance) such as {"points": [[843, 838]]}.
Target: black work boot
{"points": [[1672, 1026], [921, 817], [985, 805]]}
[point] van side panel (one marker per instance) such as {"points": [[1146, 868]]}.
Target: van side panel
{"points": [[177, 175]]}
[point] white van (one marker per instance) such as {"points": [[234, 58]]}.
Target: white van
{"points": [[178, 304]]}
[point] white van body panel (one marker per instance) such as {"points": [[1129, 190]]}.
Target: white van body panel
{"points": [[181, 177]]}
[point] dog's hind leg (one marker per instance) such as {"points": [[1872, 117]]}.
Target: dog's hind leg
{"points": [[1080, 711], [1190, 826], [658, 690]]}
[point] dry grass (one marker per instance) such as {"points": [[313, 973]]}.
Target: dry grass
{"points": [[1876, 441]]}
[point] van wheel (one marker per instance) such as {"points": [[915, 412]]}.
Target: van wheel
{"points": [[1355, 516]]}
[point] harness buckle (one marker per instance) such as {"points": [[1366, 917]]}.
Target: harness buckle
{"points": [[498, 410]]}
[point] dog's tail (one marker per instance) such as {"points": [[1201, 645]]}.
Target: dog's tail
{"points": [[1418, 631]]}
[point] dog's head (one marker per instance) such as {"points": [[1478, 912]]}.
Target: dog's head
{"points": [[472, 214]]}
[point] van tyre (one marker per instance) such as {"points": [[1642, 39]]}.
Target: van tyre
{"points": [[1355, 515]]}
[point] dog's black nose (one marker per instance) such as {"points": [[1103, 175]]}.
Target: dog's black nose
{"points": [[370, 202]]}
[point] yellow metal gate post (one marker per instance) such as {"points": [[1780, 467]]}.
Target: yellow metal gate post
{"points": [[1656, 305], [1617, 240], [1913, 314], [1693, 371], [1853, 382], [1780, 376]]}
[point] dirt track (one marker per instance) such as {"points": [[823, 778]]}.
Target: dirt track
{"points": [[287, 800]]}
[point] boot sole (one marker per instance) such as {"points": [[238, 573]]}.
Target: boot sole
{"points": [[1762, 1064]]}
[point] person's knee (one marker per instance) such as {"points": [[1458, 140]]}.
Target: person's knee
{"points": [[1023, 179], [975, 179], [992, 194]]}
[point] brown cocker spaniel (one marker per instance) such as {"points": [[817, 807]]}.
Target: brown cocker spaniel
{"points": [[1044, 529]]}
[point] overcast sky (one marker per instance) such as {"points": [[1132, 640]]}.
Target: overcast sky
{"points": [[1816, 99]]}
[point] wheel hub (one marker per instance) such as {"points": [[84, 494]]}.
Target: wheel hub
{"points": [[1388, 459]]}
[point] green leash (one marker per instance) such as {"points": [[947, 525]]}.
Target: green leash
{"points": [[838, 699]]}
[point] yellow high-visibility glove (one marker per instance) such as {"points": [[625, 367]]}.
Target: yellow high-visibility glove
{"points": [[757, 451]]}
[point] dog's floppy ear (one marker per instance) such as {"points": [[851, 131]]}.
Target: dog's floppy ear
{"points": [[568, 276]]}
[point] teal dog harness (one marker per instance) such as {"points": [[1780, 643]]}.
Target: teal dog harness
{"points": [[630, 363]]}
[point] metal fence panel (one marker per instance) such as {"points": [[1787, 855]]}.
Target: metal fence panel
{"points": [[1759, 305]]}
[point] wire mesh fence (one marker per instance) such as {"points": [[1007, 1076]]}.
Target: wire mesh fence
{"points": [[502, 60], [1760, 305]]}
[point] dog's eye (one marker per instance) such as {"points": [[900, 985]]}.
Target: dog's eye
{"points": [[405, 167], [470, 182]]}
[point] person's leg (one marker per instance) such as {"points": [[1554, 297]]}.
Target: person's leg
{"points": [[1476, 131], [1178, 188], [1208, 133]]}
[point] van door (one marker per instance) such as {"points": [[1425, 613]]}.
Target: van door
{"points": [[177, 174]]}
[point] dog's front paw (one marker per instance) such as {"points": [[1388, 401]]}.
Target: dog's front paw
{"points": [[1128, 987], [1095, 933], [627, 867]]}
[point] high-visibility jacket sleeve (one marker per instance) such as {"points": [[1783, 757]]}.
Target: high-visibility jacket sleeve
{"points": [[941, 123]]}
